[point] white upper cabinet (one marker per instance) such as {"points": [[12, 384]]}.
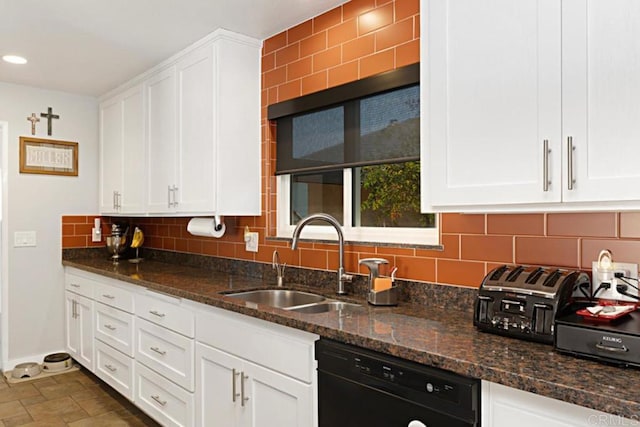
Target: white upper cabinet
{"points": [[519, 96], [202, 130], [122, 153], [601, 98], [161, 140]]}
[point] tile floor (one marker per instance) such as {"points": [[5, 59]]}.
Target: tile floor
{"points": [[76, 399]]}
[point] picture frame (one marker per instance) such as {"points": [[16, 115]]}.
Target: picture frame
{"points": [[48, 156]]}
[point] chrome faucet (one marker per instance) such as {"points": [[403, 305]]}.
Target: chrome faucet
{"points": [[342, 276]]}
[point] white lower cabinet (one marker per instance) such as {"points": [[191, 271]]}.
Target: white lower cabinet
{"points": [[504, 406], [115, 368], [166, 402], [166, 352], [115, 327], [235, 392], [79, 328], [250, 372]]}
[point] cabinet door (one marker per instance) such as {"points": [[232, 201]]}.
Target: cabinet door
{"points": [[491, 97], [196, 168], [79, 328], [134, 153], [601, 88], [111, 150], [161, 140], [275, 399], [217, 387]]}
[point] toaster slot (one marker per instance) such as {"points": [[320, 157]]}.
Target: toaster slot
{"points": [[534, 276], [497, 273], [552, 279], [514, 274], [542, 319]]}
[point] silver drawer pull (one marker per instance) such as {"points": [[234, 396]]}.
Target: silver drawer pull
{"points": [[109, 327], [111, 368], [108, 296], [234, 394], [156, 313], [603, 347], [160, 401], [243, 399], [74, 285], [157, 350]]}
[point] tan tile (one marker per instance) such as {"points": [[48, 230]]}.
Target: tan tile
{"points": [[19, 420], [33, 400], [49, 422], [99, 405], [54, 408], [58, 390], [11, 409], [109, 419], [81, 377], [43, 382], [17, 392]]}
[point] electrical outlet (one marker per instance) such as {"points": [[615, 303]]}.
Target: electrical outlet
{"points": [[630, 273], [251, 241]]}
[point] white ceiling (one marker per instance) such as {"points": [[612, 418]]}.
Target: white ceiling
{"points": [[92, 46]]}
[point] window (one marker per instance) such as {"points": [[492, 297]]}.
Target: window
{"points": [[354, 152]]}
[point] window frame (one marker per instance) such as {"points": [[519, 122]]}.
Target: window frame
{"points": [[392, 80]]}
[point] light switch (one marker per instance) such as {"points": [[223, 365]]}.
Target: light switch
{"points": [[23, 239]]}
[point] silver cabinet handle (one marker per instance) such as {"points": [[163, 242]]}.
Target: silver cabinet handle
{"points": [[74, 285], [168, 196], [570, 150], [160, 401], [111, 368], [234, 394], [109, 327], [157, 350], [156, 313], [242, 398], [108, 296], [115, 199], [73, 309], [175, 199], [545, 165], [119, 200]]}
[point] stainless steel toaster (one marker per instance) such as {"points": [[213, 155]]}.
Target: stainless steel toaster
{"points": [[523, 301]]}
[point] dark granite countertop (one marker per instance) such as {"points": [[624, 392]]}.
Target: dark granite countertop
{"points": [[443, 337]]}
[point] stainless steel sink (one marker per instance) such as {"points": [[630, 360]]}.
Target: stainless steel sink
{"points": [[327, 306], [281, 298]]}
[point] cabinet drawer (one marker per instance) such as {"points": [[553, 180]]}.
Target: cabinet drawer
{"points": [[167, 403], [282, 349], [166, 352], [115, 369], [114, 296], [115, 327], [165, 310], [79, 285]]}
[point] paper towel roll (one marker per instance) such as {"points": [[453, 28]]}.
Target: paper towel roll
{"points": [[205, 227]]}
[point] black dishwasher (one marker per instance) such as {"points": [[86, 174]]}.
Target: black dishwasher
{"points": [[359, 387]]}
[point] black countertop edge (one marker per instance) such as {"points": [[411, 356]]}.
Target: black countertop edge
{"points": [[519, 364]]}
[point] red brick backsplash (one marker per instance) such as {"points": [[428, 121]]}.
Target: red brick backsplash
{"points": [[352, 41]]}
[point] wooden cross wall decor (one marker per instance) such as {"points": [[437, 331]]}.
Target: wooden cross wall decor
{"points": [[33, 119], [49, 116]]}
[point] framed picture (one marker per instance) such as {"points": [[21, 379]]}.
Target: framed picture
{"points": [[48, 156]]}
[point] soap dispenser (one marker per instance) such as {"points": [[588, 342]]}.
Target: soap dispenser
{"points": [[382, 289]]}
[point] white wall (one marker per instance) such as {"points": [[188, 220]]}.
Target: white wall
{"points": [[33, 297]]}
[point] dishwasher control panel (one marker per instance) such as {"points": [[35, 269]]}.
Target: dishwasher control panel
{"points": [[406, 377]]}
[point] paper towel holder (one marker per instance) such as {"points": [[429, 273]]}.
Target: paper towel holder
{"points": [[218, 222]]}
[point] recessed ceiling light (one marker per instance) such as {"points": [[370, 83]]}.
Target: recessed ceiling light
{"points": [[14, 59]]}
